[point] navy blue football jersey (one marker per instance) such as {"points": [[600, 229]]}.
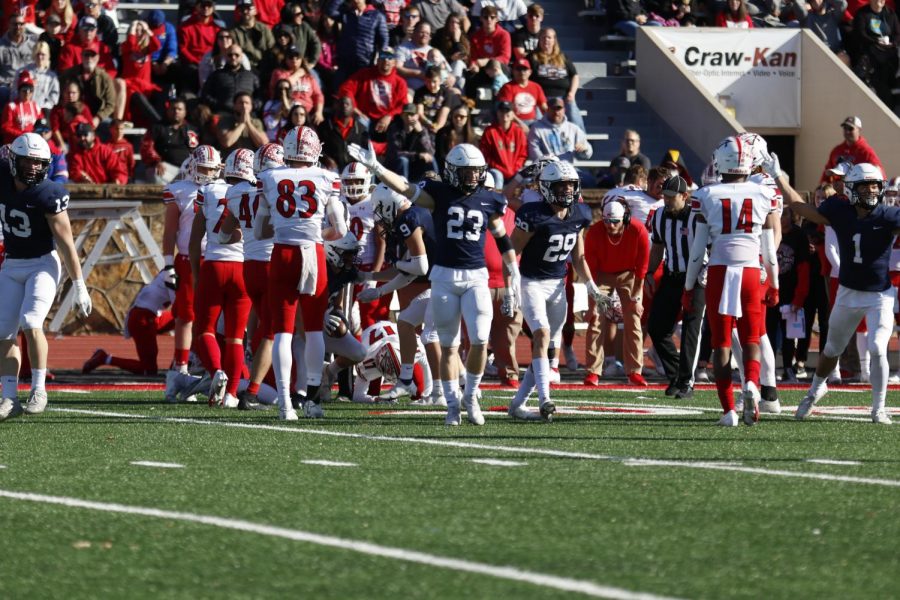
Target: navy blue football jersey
{"points": [[460, 223], [546, 253], [26, 231], [404, 226], [864, 244], [337, 279]]}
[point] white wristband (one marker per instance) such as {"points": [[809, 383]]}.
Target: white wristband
{"points": [[168, 259]]}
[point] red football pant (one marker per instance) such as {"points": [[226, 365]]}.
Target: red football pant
{"points": [[748, 325], [183, 307], [256, 280], [373, 312], [144, 326], [284, 277]]}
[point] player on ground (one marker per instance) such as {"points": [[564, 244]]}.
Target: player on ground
{"points": [[178, 198], [865, 230], [462, 211], [296, 199], [737, 216], [546, 234], [242, 209], [35, 225]]}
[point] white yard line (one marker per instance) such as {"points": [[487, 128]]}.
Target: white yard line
{"points": [[158, 465], [493, 462], [509, 449], [831, 461], [566, 584], [328, 463]]}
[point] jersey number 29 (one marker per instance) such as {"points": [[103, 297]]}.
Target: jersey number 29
{"points": [[560, 247]]}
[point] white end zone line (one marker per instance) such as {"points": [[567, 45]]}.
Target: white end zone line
{"points": [[509, 449], [566, 584]]}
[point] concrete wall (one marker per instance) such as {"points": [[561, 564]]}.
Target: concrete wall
{"points": [[829, 93]]}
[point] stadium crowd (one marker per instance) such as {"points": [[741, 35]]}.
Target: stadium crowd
{"points": [[313, 104]]}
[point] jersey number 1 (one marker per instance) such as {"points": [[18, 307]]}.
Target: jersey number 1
{"points": [[745, 217]]}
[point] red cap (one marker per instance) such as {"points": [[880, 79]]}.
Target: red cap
{"points": [[522, 63], [25, 79], [93, 46]]}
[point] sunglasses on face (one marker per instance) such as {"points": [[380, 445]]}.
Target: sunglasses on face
{"points": [[460, 116], [612, 221], [233, 55], [557, 107], [489, 17]]}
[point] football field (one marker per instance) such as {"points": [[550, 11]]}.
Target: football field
{"points": [[627, 494]]}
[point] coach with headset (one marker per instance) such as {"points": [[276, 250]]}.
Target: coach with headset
{"points": [[617, 252], [672, 233]]}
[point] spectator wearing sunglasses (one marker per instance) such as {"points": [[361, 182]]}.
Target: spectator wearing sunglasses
{"points": [[854, 149], [254, 37], [225, 83], [490, 41], [509, 12], [555, 135]]}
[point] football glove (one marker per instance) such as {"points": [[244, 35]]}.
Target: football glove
{"points": [[771, 297], [369, 295], [170, 277], [366, 156], [510, 303], [771, 164], [335, 323], [82, 298], [600, 299], [687, 302]]}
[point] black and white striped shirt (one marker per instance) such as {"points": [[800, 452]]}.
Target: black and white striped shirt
{"points": [[676, 233]]}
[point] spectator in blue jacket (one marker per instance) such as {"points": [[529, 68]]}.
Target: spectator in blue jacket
{"points": [[168, 38], [59, 168], [363, 33]]}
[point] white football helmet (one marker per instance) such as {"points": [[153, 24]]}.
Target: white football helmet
{"points": [[302, 144], [733, 157], [268, 156], [465, 168], [186, 170], [341, 253], [865, 173], [239, 165], [386, 204], [556, 173], [892, 192], [206, 157], [356, 181], [710, 175], [758, 148], [29, 158]]}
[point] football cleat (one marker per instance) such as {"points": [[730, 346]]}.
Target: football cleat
{"points": [[881, 417], [248, 401], [400, 390], [894, 378], [97, 359], [571, 361], [287, 414], [437, 399], [770, 407], [452, 419], [553, 375], [423, 401], [672, 389], [311, 410], [217, 388], [808, 402], [751, 404], [9, 408], [729, 419], [685, 393], [171, 386], [37, 402], [547, 409], [701, 376], [520, 413], [230, 401], [473, 412]]}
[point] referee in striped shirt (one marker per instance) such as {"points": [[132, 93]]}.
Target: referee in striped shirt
{"points": [[671, 234]]}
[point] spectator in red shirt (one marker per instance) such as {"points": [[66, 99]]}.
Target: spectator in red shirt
{"points": [[378, 93], [489, 42], [269, 11], [504, 330], [525, 96], [135, 85], [70, 54], [196, 37], [734, 15], [66, 115], [504, 145], [19, 115], [617, 252], [92, 161], [122, 147], [854, 149]]}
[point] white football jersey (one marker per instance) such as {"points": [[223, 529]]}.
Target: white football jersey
{"points": [[243, 202], [155, 296], [735, 213], [182, 193], [362, 224], [211, 202], [639, 203], [296, 199], [383, 352], [766, 180]]}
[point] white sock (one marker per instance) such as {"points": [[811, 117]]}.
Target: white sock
{"points": [[281, 363], [554, 362], [472, 382], [879, 378], [766, 362], [10, 386], [524, 391], [406, 372], [541, 368], [298, 353], [314, 357], [451, 393], [862, 347], [437, 388], [38, 378], [817, 384]]}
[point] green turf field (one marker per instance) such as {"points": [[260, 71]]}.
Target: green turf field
{"points": [[601, 503]]}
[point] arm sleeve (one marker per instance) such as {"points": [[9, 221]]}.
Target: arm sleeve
{"points": [[831, 251]]}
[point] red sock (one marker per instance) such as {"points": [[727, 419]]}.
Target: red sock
{"points": [[418, 379], [129, 364], [234, 363], [751, 371], [207, 349], [253, 388], [181, 356], [375, 387], [726, 393]]}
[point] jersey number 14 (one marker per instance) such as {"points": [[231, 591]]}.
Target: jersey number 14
{"points": [[744, 217]]}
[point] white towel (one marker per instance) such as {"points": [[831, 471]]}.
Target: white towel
{"points": [[730, 302], [309, 270]]}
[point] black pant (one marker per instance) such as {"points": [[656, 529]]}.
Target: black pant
{"points": [[661, 326]]}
